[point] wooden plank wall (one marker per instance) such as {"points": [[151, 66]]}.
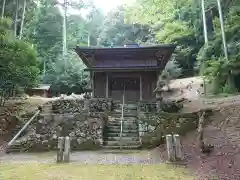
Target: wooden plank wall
{"points": [[149, 80], [99, 80]]}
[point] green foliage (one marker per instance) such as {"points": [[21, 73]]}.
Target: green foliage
{"points": [[172, 70], [45, 31], [5, 25], [116, 31], [180, 22], [94, 22], [18, 61], [66, 76], [223, 74], [173, 22], [147, 22]]}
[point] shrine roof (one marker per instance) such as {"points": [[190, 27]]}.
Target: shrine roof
{"points": [[163, 51], [126, 69]]}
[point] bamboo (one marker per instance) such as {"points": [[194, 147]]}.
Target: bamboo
{"points": [[222, 29], [204, 23], [65, 28], [23, 17], [16, 19], [3, 8]]}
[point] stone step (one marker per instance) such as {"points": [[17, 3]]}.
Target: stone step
{"points": [[124, 130], [125, 126], [126, 120], [115, 134], [129, 104], [129, 114], [113, 128], [123, 147], [126, 112], [118, 123], [117, 138], [118, 143], [125, 123], [15, 148], [127, 108]]}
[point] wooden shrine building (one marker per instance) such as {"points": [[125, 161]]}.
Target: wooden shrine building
{"points": [[131, 69]]}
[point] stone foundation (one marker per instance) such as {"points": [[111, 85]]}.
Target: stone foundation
{"points": [[84, 130], [86, 127], [154, 127], [77, 105], [65, 118]]}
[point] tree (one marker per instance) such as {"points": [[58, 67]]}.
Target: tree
{"points": [[173, 22], [217, 68], [115, 31], [16, 18], [44, 31], [171, 71], [22, 19], [178, 22], [18, 61], [67, 76], [3, 8], [94, 20]]}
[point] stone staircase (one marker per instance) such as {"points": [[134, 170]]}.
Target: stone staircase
{"points": [[13, 132], [130, 134]]}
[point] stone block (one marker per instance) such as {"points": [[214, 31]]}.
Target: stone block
{"points": [[178, 147], [60, 149], [170, 147], [66, 153]]}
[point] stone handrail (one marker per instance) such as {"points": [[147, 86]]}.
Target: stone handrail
{"points": [[122, 122], [24, 127]]}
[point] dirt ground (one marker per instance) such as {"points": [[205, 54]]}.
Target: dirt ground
{"points": [[222, 164]]}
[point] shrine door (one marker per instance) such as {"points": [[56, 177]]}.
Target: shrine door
{"points": [[129, 86]]}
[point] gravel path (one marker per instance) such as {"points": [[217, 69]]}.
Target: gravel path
{"points": [[88, 157]]}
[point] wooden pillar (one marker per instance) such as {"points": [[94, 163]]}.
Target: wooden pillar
{"points": [[141, 88], [107, 88]]}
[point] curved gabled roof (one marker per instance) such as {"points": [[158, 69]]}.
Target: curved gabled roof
{"points": [[162, 52]]}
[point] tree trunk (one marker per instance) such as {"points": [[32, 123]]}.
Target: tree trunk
{"points": [[89, 38], [16, 19], [222, 29], [200, 140], [3, 8], [65, 28], [22, 20], [204, 23]]}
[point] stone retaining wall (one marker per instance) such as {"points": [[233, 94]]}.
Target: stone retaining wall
{"points": [[154, 127], [66, 118], [76, 105], [85, 132]]}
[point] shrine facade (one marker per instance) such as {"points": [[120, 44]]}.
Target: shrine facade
{"points": [[131, 70]]}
